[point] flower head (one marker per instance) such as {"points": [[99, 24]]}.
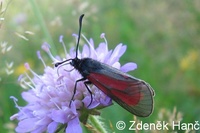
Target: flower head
{"points": [[50, 94]]}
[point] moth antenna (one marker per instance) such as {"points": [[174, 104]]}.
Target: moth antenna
{"points": [[60, 63], [79, 33]]}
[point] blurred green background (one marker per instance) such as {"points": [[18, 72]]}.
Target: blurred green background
{"points": [[162, 37]]}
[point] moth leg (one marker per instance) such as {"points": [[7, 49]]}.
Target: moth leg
{"points": [[82, 79], [86, 83]]}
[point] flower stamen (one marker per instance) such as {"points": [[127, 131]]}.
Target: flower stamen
{"points": [[63, 44], [103, 37], [46, 48], [92, 50], [27, 66], [40, 57]]}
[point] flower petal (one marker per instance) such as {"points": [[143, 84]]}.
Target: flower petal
{"points": [[102, 48], [26, 125], [117, 53], [29, 96], [87, 101], [52, 127], [128, 67], [106, 101], [39, 129], [74, 126], [60, 116], [85, 52], [43, 121]]}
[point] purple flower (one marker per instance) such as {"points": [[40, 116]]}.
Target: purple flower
{"points": [[50, 93]]}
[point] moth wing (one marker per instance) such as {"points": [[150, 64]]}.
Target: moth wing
{"points": [[134, 95]]}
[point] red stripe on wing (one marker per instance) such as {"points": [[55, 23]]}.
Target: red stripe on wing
{"points": [[130, 95], [125, 90]]}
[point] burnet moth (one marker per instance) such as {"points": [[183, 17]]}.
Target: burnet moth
{"points": [[134, 95]]}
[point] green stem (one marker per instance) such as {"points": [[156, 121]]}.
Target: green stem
{"points": [[97, 124], [43, 25]]}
